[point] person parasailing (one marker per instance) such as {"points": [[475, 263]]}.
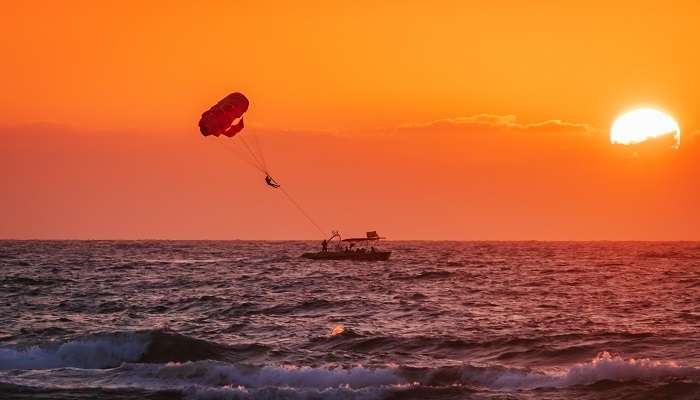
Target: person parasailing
{"points": [[271, 182], [225, 118]]}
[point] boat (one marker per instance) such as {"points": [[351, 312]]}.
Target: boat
{"points": [[355, 249]]}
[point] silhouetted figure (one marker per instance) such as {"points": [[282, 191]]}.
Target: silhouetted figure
{"points": [[324, 246], [271, 182]]}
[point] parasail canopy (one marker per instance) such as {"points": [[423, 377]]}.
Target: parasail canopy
{"points": [[221, 118]]}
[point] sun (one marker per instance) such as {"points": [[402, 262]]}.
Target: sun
{"points": [[642, 124]]}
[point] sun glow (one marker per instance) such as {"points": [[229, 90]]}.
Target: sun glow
{"points": [[643, 124]]}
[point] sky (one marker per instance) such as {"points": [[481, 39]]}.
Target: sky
{"points": [[439, 120]]}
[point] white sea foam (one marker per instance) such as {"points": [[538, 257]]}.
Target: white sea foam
{"points": [[98, 351], [604, 366], [211, 380], [610, 367], [242, 393], [219, 374]]}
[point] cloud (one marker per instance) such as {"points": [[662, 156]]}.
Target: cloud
{"points": [[501, 122], [491, 138]]}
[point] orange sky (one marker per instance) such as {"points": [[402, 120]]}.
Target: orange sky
{"points": [[439, 120]]}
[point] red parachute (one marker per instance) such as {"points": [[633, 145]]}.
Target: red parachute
{"points": [[226, 118], [220, 118]]}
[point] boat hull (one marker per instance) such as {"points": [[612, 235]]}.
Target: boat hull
{"points": [[341, 255]]}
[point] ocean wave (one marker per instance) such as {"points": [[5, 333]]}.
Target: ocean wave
{"points": [[166, 347], [108, 350], [536, 350], [220, 374], [368, 342], [241, 393], [221, 380], [312, 305], [165, 355], [22, 281], [616, 368], [424, 275], [21, 392], [94, 351], [604, 367]]}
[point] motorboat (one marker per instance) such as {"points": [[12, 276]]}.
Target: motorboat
{"points": [[356, 249]]}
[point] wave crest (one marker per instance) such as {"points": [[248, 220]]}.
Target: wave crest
{"points": [[604, 367], [107, 350], [607, 366], [94, 351]]}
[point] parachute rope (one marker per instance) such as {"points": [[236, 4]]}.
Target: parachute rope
{"points": [[303, 212], [242, 156], [261, 164], [258, 145]]}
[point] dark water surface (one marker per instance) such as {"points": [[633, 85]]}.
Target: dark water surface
{"points": [[443, 320]]}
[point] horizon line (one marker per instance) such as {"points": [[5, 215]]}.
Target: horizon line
{"points": [[385, 240]]}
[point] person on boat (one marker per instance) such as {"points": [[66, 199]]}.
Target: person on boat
{"points": [[271, 182], [324, 246]]}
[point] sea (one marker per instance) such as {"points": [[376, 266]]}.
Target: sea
{"points": [[439, 320]]}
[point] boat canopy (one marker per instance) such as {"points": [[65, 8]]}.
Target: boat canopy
{"points": [[371, 236]]}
